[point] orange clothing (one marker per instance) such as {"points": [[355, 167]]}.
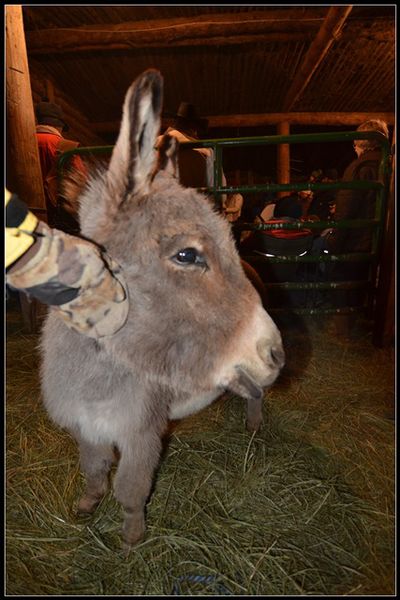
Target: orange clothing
{"points": [[51, 145], [49, 138]]}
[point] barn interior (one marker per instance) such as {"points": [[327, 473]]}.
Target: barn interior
{"points": [[305, 505]]}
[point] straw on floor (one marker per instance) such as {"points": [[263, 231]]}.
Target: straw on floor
{"points": [[304, 506]]}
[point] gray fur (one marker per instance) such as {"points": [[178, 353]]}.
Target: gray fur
{"points": [[192, 331]]}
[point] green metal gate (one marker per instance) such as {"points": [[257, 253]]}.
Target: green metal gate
{"points": [[377, 223]]}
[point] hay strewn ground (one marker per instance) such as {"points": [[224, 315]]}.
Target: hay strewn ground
{"points": [[305, 506]]}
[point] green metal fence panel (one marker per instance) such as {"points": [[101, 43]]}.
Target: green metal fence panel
{"points": [[377, 223]]}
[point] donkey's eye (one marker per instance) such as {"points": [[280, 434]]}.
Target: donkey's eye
{"points": [[189, 256]]}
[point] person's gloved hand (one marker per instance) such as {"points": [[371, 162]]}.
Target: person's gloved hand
{"points": [[85, 286]]}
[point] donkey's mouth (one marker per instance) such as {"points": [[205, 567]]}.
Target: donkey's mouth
{"points": [[244, 385]]}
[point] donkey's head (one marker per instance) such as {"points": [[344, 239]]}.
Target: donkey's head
{"points": [[195, 323]]}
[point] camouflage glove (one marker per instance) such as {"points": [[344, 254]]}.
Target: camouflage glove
{"points": [[86, 289]]}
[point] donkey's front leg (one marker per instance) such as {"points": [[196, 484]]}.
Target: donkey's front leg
{"points": [[96, 461], [132, 483]]}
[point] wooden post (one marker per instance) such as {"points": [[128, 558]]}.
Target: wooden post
{"points": [[24, 177], [283, 163], [385, 307]]}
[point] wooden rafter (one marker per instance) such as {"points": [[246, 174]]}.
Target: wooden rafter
{"points": [[298, 118], [207, 29], [260, 120], [210, 29], [326, 36]]}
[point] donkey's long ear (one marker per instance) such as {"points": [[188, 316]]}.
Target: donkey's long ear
{"points": [[133, 158]]}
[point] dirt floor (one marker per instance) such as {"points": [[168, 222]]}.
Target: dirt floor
{"points": [[303, 507]]}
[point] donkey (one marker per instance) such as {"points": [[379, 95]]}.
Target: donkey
{"points": [[195, 327]]}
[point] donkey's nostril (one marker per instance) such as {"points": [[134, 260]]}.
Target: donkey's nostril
{"points": [[278, 356], [272, 355]]}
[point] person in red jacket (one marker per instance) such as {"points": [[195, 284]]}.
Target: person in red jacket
{"points": [[49, 129]]}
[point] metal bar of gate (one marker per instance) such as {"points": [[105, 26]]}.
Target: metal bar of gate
{"points": [[377, 223]]}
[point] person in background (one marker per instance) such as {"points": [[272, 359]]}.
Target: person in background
{"points": [[353, 204], [316, 176], [358, 204], [323, 201], [49, 134], [267, 212], [233, 203], [188, 127], [232, 206], [295, 205], [84, 285]]}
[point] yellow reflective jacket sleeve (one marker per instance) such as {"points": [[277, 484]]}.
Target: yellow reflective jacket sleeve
{"points": [[20, 224]]}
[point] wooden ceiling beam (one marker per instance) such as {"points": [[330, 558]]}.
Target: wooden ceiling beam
{"points": [[65, 47], [222, 29], [259, 120], [327, 35], [42, 47], [298, 24], [299, 118]]}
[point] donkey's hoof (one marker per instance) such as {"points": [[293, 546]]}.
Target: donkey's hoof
{"points": [[87, 505], [253, 426], [128, 545], [127, 548], [133, 530]]}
